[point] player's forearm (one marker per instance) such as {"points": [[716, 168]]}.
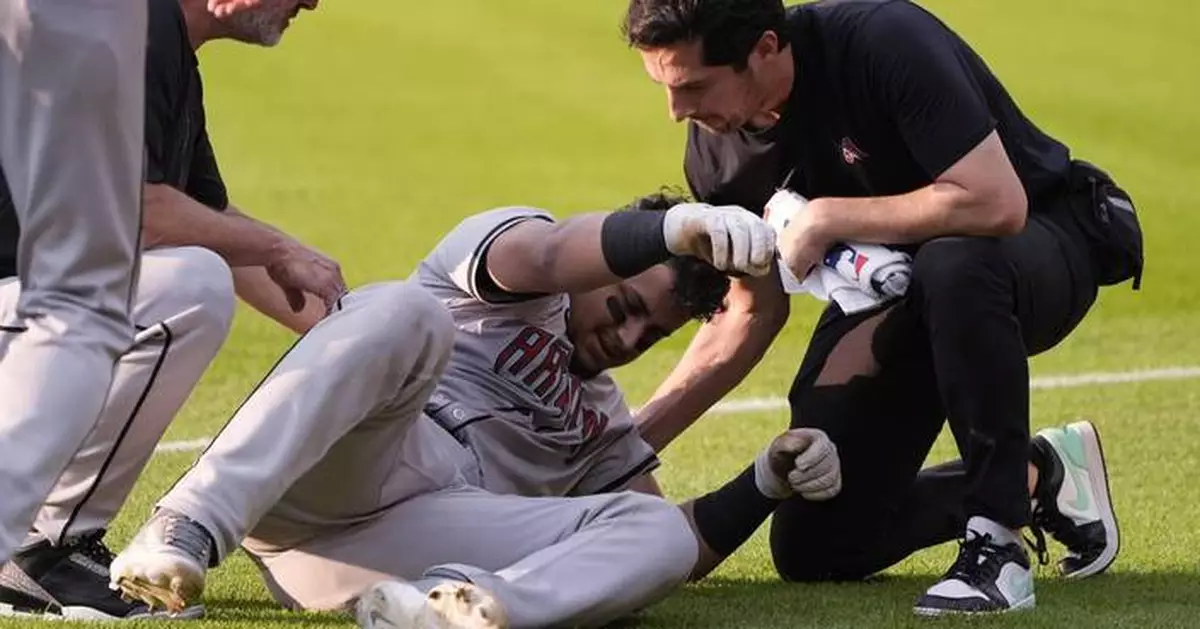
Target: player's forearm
{"points": [[939, 209], [564, 257], [721, 355], [173, 219], [573, 259]]}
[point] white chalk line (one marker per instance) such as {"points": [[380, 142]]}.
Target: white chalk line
{"points": [[751, 405]]}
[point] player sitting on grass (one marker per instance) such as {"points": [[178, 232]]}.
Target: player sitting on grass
{"points": [[449, 451]]}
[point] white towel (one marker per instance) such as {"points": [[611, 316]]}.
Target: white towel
{"points": [[857, 276]]}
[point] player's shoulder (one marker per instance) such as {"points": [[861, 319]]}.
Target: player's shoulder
{"points": [[485, 226], [458, 263], [505, 215]]}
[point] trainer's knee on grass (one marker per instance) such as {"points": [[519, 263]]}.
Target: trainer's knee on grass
{"points": [[812, 554]]}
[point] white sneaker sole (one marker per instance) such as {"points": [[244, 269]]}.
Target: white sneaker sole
{"points": [[1025, 603], [400, 605], [72, 613], [163, 579], [1098, 475]]}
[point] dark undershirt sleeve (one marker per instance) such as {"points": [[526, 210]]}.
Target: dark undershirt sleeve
{"points": [[204, 181], [162, 74]]}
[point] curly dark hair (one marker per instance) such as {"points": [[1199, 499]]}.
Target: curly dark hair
{"points": [[726, 29], [700, 289]]}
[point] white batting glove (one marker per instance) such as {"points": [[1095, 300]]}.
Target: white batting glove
{"points": [[802, 461], [730, 238]]}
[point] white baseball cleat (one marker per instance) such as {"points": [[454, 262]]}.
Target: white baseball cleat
{"points": [[165, 564], [449, 605]]}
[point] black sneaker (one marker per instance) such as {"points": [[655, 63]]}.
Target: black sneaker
{"points": [[67, 582], [986, 578], [1072, 501]]}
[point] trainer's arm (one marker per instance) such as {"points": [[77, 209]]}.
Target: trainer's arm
{"points": [[719, 357], [980, 195], [174, 219], [256, 288]]}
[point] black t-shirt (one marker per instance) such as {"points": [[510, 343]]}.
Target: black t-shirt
{"points": [[178, 151], [885, 99]]}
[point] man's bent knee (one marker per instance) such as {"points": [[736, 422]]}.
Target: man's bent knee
{"points": [[808, 545], [670, 546], [949, 273], [209, 283], [183, 279], [812, 561], [400, 310], [393, 323], [949, 263]]}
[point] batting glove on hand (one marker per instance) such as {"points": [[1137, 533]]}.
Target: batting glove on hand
{"points": [[730, 238], [801, 461]]}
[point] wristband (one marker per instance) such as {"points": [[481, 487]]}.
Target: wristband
{"points": [[633, 241]]}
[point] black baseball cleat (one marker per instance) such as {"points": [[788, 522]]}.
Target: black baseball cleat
{"points": [[68, 582], [1072, 500]]}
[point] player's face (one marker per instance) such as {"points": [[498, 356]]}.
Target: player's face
{"points": [[612, 326], [718, 98], [264, 23]]}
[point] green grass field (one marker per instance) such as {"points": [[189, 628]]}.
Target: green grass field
{"points": [[379, 124]]}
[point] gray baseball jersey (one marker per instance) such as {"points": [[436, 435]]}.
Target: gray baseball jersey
{"points": [[534, 427]]}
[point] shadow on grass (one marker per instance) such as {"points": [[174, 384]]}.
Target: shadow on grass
{"points": [[1122, 599], [258, 612]]}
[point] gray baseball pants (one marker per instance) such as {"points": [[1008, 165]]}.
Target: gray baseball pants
{"points": [[71, 126], [332, 478]]}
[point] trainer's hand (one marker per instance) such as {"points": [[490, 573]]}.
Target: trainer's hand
{"points": [[225, 8], [299, 269], [801, 461], [730, 238], [802, 242]]}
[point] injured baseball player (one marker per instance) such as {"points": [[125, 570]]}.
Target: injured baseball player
{"points": [[449, 451]]}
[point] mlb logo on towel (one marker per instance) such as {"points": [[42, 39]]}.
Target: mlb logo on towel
{"points": [[855, 259]]}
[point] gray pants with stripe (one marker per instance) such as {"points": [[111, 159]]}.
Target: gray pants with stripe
{"points": [[331, 477], [71, 120], [183, 309]]}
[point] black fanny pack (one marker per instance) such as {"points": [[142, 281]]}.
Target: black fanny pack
{"points": [[1107, 216]]}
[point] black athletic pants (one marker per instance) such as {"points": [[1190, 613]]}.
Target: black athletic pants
{"points": [[881, 383]]}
